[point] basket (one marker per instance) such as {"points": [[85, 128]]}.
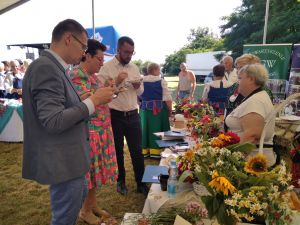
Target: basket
{"points": [[273, 114], [179, 124], [200, 190]]}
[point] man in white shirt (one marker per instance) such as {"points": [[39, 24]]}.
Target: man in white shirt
{"points": [[230, 72], [124, 112]]}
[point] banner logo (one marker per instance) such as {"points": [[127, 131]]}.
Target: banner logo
{"points": [[269, 63]]}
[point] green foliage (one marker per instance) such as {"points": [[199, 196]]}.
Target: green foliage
{"points": [[200, 40], [141, 65], [246, 24], [203, 40], [173, 61], [244, 147]]}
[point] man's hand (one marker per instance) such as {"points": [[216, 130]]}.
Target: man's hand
{"points": [[109, 83], [121, 77], [136, 85], [102, 96]]}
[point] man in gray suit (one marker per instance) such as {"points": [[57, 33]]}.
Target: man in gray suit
{"points": [[56, 146]]}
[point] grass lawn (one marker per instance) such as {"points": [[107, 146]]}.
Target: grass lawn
{"points": [[26, 202]]}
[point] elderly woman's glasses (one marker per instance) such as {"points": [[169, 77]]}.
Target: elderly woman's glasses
{"points": [[83, 46]]}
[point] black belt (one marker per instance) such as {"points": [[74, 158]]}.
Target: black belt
{"points": [[124, 113]]}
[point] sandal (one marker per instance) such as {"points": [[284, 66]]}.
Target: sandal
{"points": [[90, 218]]}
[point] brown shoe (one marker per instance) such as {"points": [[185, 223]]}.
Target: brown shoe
{"points": [[90, 218]]}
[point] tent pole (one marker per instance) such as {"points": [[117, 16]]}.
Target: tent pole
{"points": [[93, 18], [266, 21]]}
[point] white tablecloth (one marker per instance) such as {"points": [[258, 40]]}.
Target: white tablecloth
{"points": [[13, 131], [11, 124]]}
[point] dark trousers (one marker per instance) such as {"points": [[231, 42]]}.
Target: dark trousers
{"points": [[128, 125]]}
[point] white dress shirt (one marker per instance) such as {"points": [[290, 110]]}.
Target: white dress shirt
{"points": [[232, 76], [126, 100]]}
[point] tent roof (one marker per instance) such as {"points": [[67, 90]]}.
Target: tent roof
{"points": [[6, 5], [37, 45]]}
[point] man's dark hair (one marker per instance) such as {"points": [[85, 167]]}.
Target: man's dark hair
{"points": [[93, 47], [219, 70], [123, 40], [68, 25]]}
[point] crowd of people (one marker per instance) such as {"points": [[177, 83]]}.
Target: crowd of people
{"points": [[76, 118], [11, 78]]}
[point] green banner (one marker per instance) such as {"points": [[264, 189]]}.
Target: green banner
{"points": [[275, 57]]}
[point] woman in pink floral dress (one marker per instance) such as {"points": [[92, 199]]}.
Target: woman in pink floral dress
{"points": [[103, 167]]}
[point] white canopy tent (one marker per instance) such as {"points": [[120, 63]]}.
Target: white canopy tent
{"points": [[6, 5]]}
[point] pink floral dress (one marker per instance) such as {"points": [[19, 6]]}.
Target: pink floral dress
{"points": [[104, 167]]}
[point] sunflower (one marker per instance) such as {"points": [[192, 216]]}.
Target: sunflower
{"points": [[256, 165], [221, 184]]}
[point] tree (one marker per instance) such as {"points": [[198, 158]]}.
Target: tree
{"points": [[200, 40], [246, 24], [203, 39], [174, 60]]}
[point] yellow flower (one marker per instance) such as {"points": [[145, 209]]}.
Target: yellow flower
{"points": [[224, 137], [217, 143], [221, 184], [256, 165], [189, 155]]}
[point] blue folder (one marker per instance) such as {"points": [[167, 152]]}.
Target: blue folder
{"points": [[152, 172], [166, 144]]}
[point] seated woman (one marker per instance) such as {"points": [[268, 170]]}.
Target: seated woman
{"points": [[249, 118], [155, 109], [234, 98], [215, 92]]}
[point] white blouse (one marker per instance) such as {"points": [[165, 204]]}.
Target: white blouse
{"points": [[258, 103]]}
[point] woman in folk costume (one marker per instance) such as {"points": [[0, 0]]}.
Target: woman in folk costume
{"points": [[155, 109]]}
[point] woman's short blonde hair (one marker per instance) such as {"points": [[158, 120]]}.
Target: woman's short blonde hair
{"points": [[246, 59], [257, 71], [151, 67]]}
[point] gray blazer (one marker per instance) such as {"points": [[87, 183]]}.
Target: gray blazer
{"points": [[56, 145]]}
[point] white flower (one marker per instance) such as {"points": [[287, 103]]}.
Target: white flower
{"points": [[219, 163]]}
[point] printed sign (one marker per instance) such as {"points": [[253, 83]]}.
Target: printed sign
{"points": [[276, 58]]}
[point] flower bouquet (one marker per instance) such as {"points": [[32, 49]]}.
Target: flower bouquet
{"points": [[196, 110], [179, 104], [205, 127], [295, 156], [240, 189], [192, 213]]}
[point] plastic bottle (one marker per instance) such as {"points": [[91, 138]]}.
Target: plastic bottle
{"points": [[172, 181]]}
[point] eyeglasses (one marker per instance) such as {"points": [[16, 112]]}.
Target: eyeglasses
{"points": [[83, 46], [128, 52]]}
